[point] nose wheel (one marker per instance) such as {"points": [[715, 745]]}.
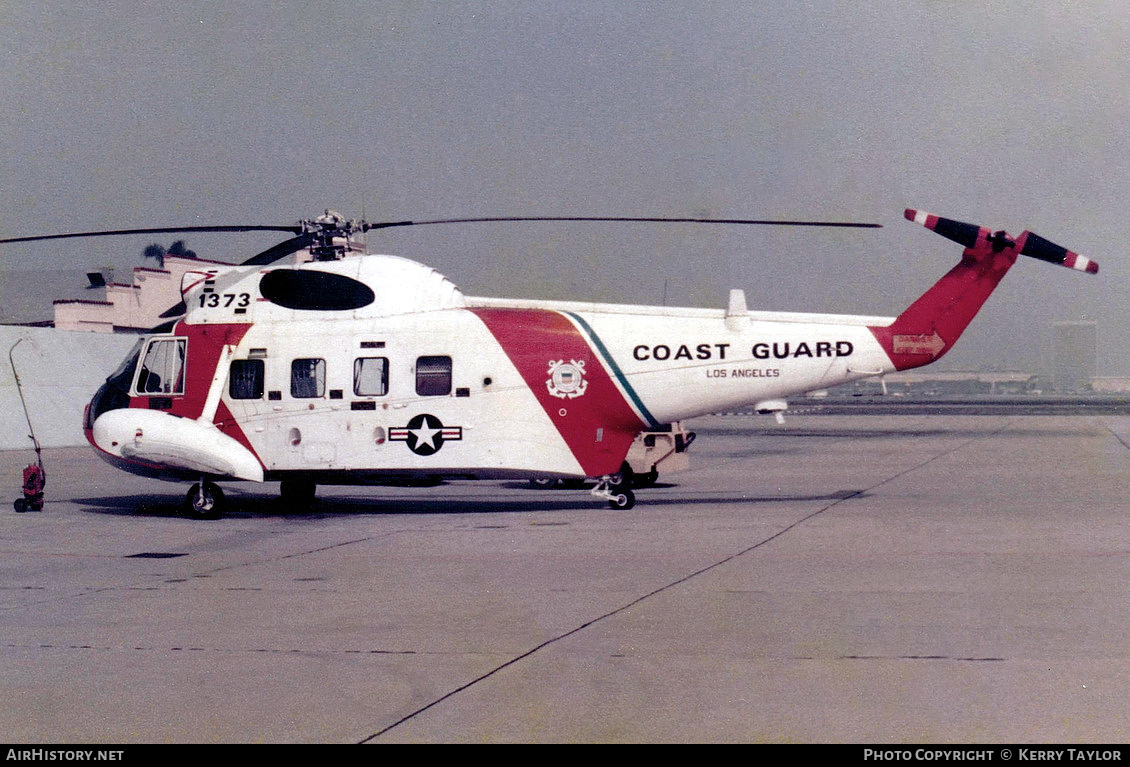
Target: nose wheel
{"points": [[205, 500]]}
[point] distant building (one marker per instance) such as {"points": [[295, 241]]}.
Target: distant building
{"points": [[945, 383], [1074, 354], [128, 308], [1111, 384]]}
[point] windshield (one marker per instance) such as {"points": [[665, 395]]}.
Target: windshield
{"points": [[114, 393]]}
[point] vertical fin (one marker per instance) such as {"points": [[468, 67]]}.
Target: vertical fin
{"points": [[931, 325]]}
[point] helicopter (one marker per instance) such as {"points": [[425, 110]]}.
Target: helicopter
{"points": [[349, 368]]}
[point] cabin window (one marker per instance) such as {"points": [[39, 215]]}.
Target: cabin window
{"points": [[370, 376], [246, 379], [162, 367], [433, 376], [307, 378]]}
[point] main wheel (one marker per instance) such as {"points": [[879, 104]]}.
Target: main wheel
{"points": [[205, 500], [623, 500], [543, 483], [21, 505]]}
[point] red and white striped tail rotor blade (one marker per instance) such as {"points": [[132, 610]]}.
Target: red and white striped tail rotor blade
{"points": [[1032, 244], [958, 231]]}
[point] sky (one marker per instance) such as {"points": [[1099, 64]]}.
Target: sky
{"points": [[1010, 115]]}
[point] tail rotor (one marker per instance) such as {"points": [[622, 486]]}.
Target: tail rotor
{"points": [[1027, 244]]}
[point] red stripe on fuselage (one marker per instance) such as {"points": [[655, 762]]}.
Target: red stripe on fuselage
{"points": [[599, 425], [202, 354], [205, 347], [226, 423]]}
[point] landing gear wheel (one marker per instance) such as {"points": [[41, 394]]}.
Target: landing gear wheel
{"points": [[622, 499], [21, 505], [614, 489], [298, 494], [543, 483], [205, 500]]}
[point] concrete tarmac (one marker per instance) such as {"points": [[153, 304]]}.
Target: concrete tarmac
{"points": [[847, 579]]}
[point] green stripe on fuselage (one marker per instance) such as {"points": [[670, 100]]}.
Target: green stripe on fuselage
{"points": [[619, 374]]}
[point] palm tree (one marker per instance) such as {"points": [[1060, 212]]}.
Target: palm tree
{"points": [[178, 249], [158, 252]]}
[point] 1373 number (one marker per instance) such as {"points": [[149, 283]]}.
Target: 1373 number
{"points": [[215, 300]]}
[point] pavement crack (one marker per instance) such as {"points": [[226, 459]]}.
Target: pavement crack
{"points": [[1114, 434], [971, 659]]}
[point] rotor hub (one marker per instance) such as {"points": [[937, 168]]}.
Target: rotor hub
{"points": [[330, 234]]}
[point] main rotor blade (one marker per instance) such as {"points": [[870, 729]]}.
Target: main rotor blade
{"points": [[282, 250], [159, 230], [175, 310], [641, 219], [305, 236]]}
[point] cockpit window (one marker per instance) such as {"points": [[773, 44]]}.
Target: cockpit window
{"points": [[114, 394], [162, 367], [127, 368]]}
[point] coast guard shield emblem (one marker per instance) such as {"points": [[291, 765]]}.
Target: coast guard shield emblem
{"points": [[567, 379]]}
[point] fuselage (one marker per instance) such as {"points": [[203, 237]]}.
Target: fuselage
{"points": [[377, 368]]}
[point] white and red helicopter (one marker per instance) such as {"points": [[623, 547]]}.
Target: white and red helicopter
{"points": [[371, 369]]}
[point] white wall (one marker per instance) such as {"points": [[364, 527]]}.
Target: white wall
{"points": [[59, 372]]}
